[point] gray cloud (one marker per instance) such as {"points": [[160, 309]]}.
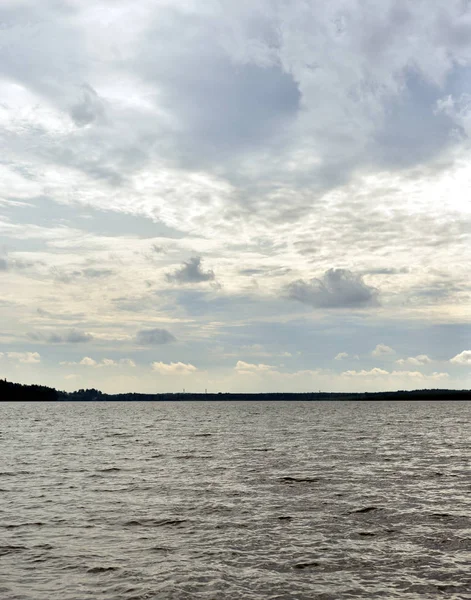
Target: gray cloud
{"points": [[224, 104], [73, 336], [8, 264], [87, 273], [88, 108], [154, 337], [386, 271], [338, 288], [191, 272]]}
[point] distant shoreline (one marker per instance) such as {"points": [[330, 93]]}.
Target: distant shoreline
{"points": [[16, 392]]}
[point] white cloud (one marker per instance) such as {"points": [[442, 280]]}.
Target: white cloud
{"points": [[398, 375], [463, 358], [127, 362], [173, 368], [244, 367], [342, 355], [375, 372], [87, 361], [383, 350], [23, 357], [420, 359]]}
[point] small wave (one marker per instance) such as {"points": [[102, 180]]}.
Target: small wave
{"points": [[154, 522], [307, 565], [16, 525], [289, 479], [189, 456], [98, 570], [109, 470], [4, 550], [361, 511], [14, 473]]}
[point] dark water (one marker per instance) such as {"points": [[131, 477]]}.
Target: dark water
{"points": [[234, 501]]}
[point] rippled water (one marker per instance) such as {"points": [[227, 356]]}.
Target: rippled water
{"points": [[231, 501]]}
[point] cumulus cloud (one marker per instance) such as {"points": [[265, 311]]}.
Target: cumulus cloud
{"points": [[463, 358], [73, 336], [191, 272], [341, 355], [154, 337], [22, 357], [337, 288], [87, 361], [383, 350], [173, 368], [420, 359], [244, 368], [378, 373]]}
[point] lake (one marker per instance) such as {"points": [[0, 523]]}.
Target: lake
{"points": [[267, 500]]}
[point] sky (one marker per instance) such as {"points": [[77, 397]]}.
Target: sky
{"points": [[235, 196]]}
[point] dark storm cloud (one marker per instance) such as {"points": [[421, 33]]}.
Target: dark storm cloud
{"points": [[191, 272], [154, 337], [73, 336], [338, 288]]}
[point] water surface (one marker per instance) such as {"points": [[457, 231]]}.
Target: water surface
{"points": [[300, 500]]}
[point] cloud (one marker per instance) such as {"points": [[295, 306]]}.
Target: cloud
{"points": [[23, 357], [87, 273], [244, 368], [338, 288], [420, 359], [88, 108], [127, 362], [379, 373], [387, 271], [153, 337], [173, 368], [87, 361], [73, 336], [383, 350], [375, 372], [191, 272], [341, 355], [463, 358], [7, 264]]}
